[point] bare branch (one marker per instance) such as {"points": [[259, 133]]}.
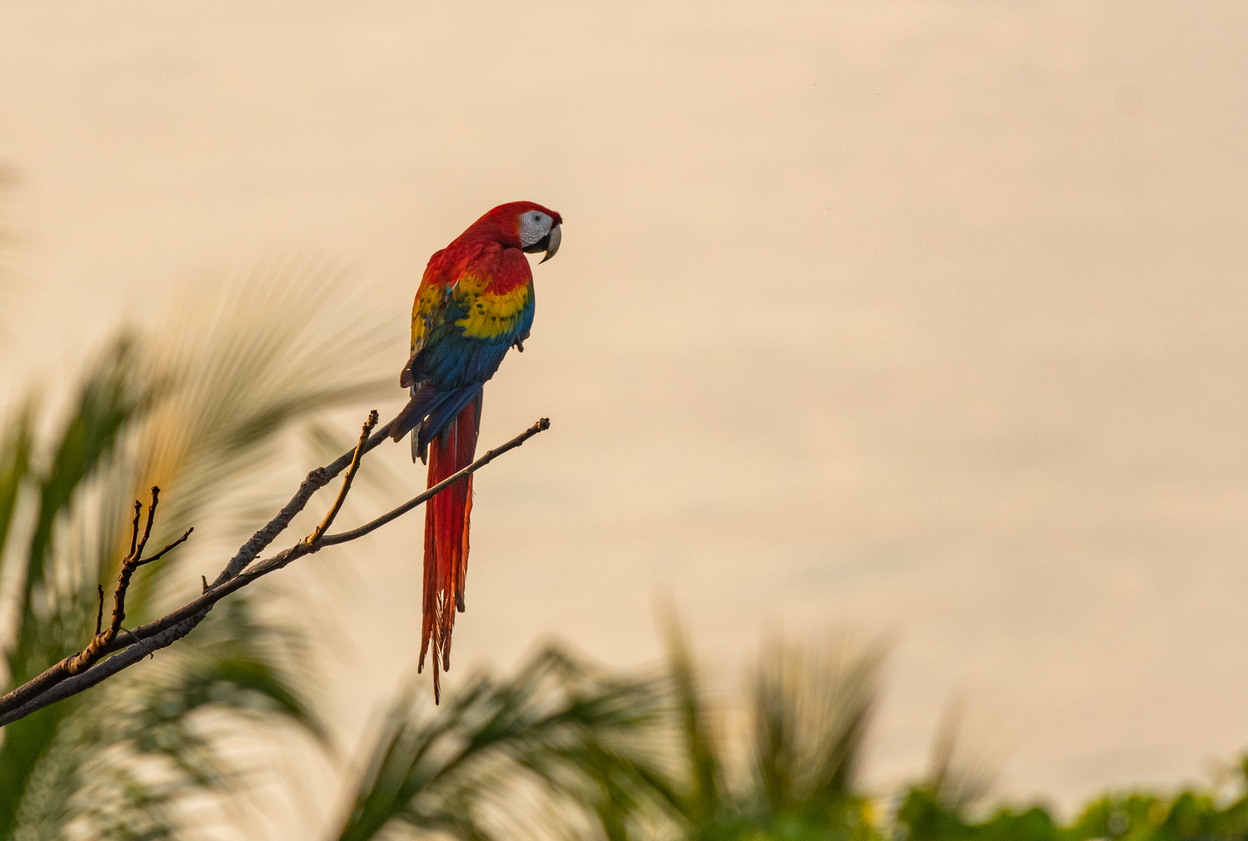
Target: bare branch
{"points": [[175, 544], [85, 658], [136, 552], [60, 682], [316, 536], [103, 638], [140, 644], [134, 529], [317, 479], [354, 534]]}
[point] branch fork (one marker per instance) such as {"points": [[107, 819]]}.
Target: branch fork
{"points": [[94, 664], [84, 659]]}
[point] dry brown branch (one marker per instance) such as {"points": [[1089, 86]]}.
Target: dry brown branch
{"points": [[58, 682], [343, 537], [104, 637], [175, 544], [85, 658], [316, 536]]}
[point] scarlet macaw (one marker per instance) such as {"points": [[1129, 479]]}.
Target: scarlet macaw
{"points": [[474, 303]]}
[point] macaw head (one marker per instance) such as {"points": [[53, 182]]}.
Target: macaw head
{"points": [[524, 225]]}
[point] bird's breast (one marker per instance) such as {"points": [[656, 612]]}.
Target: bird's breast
{"points": [[490, 315]]}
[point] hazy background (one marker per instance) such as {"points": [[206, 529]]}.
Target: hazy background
{"points": [[920, 318]]}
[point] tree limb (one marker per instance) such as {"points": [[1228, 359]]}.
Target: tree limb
{"points": [[84, 659], [316, 536], [85, 669], [344, 537]]}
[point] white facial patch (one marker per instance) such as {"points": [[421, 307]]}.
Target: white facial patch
{"points": [[533, 226]]}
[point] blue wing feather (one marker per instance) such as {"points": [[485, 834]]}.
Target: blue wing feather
{"points": [[449, 365]]}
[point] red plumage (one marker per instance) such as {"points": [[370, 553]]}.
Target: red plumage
{"points": [[474, 303], [446, 538]]}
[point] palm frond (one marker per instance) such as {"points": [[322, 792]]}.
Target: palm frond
{"points": [[263, 665], [701, 746], [552, 740], [793, 775], [201, 411], [50, 608], [248, 359], [810, 712], [15, 455], [8, 176], [962, 773], [110, 397]]}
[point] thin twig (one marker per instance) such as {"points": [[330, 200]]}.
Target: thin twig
{"points": [[140, 643], [316, 535], [317, 479], [163, 552], [343, 537], [134, 529], [84, 659], [137, 552]]}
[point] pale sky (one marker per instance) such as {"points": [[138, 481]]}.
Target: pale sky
{"points": [[924, 319]]}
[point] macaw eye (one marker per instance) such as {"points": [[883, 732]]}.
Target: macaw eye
{"points": [[533, 226]]}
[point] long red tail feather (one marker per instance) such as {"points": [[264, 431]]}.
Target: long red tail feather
{"points": [[446, 539]]}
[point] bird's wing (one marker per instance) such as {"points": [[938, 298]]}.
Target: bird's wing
{"points": [[462, 327], [428, 316]]}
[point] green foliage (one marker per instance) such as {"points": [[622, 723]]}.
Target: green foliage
{"points": [[621, 759], [1191, 815], [195, 410], [506, 759], [563, 750], [806, 720], [700, 800], [51, 599], [924, 817]]}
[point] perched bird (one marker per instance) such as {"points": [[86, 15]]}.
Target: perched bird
{"points": [[474, 303]]}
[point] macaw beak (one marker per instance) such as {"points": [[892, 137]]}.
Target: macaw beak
{"points": [[552, 243], [548, 243]]}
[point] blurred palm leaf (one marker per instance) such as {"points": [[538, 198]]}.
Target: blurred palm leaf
{"points": [[8, 176], [811, 708], [563, 751], [200, 411], [700, 745], [557, 746], [795, 777]]}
